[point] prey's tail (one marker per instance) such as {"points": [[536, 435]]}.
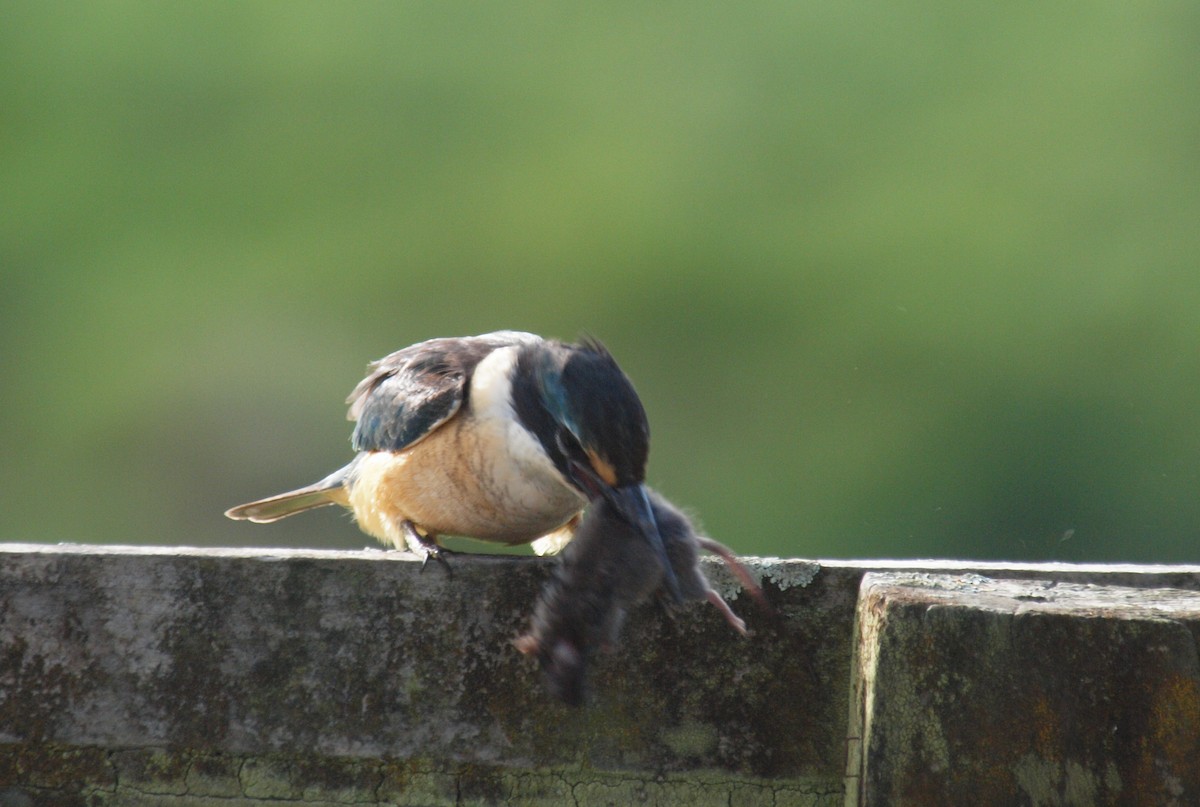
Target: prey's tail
{"points": [[739, 571], [330, 490]]}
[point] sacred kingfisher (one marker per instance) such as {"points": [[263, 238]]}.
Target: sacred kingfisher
{"points": [[503, 437]]}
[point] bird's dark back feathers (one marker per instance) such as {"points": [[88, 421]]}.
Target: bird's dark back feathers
{"points": [[409, 393]]}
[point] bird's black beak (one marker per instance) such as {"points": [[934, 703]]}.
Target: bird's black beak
{"points": [[634, 505]]}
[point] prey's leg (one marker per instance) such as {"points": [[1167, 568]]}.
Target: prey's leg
{"points": [[723, 607], [739, 571]]}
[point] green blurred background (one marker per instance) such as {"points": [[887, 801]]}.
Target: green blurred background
{"points": [[892, 280]]}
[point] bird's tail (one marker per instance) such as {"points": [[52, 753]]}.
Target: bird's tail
{"points": [[329, 490]]}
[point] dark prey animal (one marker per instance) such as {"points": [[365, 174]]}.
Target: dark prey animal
{"points": [[502, 437], [604, 572]]}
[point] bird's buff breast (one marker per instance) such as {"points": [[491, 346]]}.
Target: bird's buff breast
{"points": [[478, 477]]}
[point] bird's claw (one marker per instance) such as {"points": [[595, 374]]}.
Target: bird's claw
{"points": [[438, 554], [425, 547]]}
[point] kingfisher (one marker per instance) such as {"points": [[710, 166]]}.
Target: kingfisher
{"points": [[503, 437]]}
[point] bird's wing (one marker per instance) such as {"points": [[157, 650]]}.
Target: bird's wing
{"points": [[411, 392]]}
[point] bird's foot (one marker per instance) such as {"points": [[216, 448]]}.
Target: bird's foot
{"points": [[425, 547]]}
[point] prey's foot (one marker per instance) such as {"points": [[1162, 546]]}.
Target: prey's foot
{"points": [[425, 547]]}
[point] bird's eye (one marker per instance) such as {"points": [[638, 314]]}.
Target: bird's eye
{"points": [[568, 444], [578, 464]]}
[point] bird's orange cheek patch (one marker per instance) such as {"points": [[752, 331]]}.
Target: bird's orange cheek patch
{"points": [[603, 469]]}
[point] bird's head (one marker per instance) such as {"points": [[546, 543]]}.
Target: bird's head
{"points": [[590, 421]]}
